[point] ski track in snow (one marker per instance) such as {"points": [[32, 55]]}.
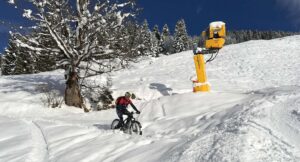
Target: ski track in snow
{"points": [[252, 113]]}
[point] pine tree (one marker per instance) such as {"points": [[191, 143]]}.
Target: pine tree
{"points": [[166, 40], [181, 41], [156, 41], [156, 32], [9, 60], [20, 58], [165, 32], [128, 41], [16, 59], [145, 37], [238, 36]]}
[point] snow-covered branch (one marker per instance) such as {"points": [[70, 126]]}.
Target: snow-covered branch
{"points": [[82, 33]]}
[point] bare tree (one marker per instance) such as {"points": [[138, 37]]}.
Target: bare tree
{"points": [[84, 35]]}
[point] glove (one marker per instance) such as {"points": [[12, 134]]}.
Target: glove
{"points": [[138, 112]]}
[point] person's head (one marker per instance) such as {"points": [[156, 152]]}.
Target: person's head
{"points": [[127, 95]]}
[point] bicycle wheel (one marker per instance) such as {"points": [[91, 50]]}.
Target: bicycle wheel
{"points": [[127, 126], [115, 123], [135, 128]]}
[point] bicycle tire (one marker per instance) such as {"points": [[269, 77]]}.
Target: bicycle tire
{"points": [[115, 123], [135, 128]]}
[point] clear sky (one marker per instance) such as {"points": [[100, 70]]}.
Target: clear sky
{"points": [[237, 14]]}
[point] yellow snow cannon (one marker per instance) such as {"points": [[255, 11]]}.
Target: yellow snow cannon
{"points": [[215, 35], [214, 40]]}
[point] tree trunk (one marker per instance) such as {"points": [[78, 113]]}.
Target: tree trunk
{"points": [[72, 92]]}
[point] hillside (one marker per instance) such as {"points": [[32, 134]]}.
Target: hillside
{"points": [[251, 114]]}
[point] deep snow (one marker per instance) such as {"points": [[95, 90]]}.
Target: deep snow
{"points": [[251, 114]]}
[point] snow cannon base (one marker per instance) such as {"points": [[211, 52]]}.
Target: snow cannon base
{"points": [[200, 87]]}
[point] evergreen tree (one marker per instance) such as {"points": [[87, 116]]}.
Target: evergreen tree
{"points": [[156, 41], [20, 58], [165, 32], [128, 41], [181, 41], [16, 59], [166, 40], [239, 36], [156, 32], [9, 60], [145, 36]]}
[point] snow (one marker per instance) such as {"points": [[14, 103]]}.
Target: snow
{"points": [[22, 44], [11, 1], [216, 24], [251, 114], [27, 13]]}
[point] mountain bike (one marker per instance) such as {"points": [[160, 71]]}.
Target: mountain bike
{"points": [[131, 125]]}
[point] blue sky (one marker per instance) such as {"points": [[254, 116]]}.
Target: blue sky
{"points": [[237, 14]]}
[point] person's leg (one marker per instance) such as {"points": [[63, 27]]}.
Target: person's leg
{"points": [[126, 112], [120, 115]]}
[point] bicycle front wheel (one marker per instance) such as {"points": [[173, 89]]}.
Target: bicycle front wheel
{"points": [[135, 128]]}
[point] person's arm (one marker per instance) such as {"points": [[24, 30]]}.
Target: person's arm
{"points": [[132, 105]]}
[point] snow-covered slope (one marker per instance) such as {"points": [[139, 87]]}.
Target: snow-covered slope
{"points": [[251, 114]]}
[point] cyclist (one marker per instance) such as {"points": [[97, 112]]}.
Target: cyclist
{"points": [[121, 108]]}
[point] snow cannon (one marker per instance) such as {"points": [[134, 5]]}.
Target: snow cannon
{"points": [[214, 40], [215, 35]]}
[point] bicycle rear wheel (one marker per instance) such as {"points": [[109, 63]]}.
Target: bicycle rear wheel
{"points": [[115, 124], [135, 128]]}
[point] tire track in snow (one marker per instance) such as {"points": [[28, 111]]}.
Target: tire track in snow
{"points": [[211, 134], [283, 145], [268, 131], [252, 111], [232, 130], [40, 150]]}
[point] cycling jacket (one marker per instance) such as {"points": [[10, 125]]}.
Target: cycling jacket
{"points": [[123, 102]]}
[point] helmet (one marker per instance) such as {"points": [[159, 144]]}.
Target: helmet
{"points": [[127, 94]]}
